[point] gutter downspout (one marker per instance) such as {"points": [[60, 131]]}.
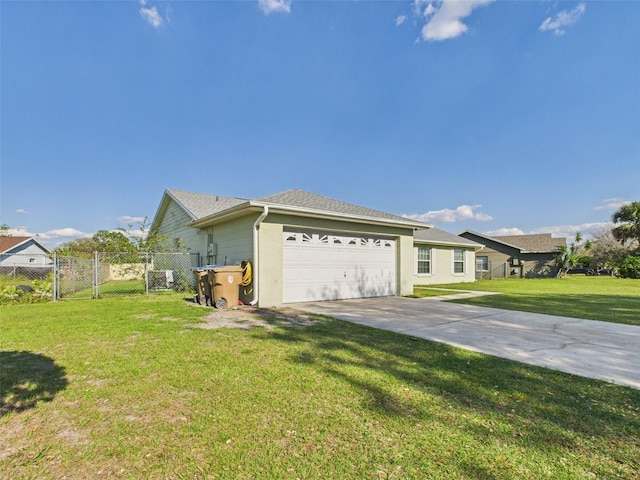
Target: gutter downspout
{"points": [[256, 227]]}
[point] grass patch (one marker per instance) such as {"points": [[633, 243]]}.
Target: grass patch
{"points": [[608, 299], [422, 292], [129, 388]]}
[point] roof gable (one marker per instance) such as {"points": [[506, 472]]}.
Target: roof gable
{"points": [[534, 243], [541, 242], [206, 210], [199, 205], [437, 236], [7, 243], [10, 243]]}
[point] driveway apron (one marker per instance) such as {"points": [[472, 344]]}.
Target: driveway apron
{"points": [[589, 348]]}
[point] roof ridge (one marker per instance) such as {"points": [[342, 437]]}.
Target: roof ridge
{"points": [[316, 201]]}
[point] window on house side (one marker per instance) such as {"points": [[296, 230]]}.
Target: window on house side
{"points": [[424, 260], [458, 261], [482, 264]]}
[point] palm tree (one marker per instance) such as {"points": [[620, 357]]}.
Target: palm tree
{"points": [[568, 256], [627, 219]]}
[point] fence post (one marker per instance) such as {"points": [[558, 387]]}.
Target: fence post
{"points": [[55, 277], [146, 272], [96, 288]]}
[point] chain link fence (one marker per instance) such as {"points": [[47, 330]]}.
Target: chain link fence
{"points": [[494, 271], [498, 270], [26, 277], [31, 278], [112, 274]]}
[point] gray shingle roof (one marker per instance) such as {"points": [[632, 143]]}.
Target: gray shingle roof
{"points": [[540, 242], [200, 205], [312, 201], [437, 236], [203, 207]]}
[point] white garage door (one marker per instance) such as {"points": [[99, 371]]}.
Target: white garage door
{"points": [[320, 266]]}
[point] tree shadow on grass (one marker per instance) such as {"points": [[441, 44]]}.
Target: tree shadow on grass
{"points": [[27, 378], [547, 408]]}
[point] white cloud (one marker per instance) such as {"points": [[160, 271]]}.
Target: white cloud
{"points": [[611, 204], [563, 19], [150, 14], [22, 211], [587, 231], [400, 20], [52, 238], [502, 232], [463, 212], [19, 231], [65, 234], [129, 220], [270, 6], [444, 18]]}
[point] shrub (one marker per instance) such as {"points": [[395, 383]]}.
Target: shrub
{"points": [[630, 267], [38, 291]]}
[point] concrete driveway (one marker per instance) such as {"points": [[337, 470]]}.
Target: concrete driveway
{"points": [[601, 350]]}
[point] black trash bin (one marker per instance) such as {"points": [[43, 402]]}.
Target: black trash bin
{"points": [[203, 287]]}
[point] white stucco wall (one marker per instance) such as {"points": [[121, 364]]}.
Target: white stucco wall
{"points": [[442, 266], [271, 247]]}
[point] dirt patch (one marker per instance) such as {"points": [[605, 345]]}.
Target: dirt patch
{"points": [[247, 317]]}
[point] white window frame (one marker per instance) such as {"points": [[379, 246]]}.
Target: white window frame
{"points": [[428, 261], [455, 261]]}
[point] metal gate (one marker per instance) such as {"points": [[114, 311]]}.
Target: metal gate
{"points": [[106, 274]]}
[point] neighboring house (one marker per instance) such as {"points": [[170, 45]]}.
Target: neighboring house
{"points": [[442, 257], [520, 256], [302, 246], [24, 256], [23, 252]]}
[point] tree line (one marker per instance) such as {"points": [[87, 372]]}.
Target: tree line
{"points": [[616, 248], [133, 241]]}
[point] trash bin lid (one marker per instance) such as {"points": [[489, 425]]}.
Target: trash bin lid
{"points": [[228, 268]]}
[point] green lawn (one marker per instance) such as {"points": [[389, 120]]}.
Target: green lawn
{"points": [[608, 299], [128, 388]]}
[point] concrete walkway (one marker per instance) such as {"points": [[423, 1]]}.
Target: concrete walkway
{"points": [[601, 350]]}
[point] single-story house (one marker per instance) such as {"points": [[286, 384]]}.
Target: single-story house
{"points": [[24, 256], [302, 246], [442, 257], [23, 251], [519, 256]]}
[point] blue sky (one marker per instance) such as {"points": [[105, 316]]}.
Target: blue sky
{"points": [[502, 117]]}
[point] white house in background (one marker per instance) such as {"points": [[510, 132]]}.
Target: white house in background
{"points": [[442, 257], [23, 252]]}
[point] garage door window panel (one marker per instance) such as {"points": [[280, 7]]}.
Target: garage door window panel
{"points": [[321, 266]]}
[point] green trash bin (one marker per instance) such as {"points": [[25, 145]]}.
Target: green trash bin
{"points": [[225, 285]]}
